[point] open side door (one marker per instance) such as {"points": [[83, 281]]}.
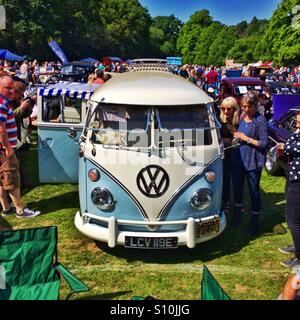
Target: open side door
{"points": [[58, 153]]}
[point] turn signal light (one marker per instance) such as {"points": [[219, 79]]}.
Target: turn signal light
{"points": [[210, 176], [94, 175]]}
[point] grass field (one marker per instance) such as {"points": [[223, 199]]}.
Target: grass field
{"points": [[245, 268]]}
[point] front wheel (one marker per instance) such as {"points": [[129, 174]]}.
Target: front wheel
{"points": [[272, 164]]}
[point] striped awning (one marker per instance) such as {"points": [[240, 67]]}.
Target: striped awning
{"points": [[70, 89]]}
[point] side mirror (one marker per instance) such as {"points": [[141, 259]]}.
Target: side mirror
{"points": [[72, 133]]}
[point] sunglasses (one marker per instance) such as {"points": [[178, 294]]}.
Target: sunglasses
{"points": [[224, 109]]}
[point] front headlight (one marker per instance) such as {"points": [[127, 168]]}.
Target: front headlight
{"points": [[103, 199], [201, 199]]}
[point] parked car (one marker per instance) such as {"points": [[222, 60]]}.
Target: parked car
{"points": [[237, 87], [77, 71], [278, 87], [281, 127], [271, 77]]}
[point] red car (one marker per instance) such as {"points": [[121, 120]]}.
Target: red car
{"points": [[237, 87]]}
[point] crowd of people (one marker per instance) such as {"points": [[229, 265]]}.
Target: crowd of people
{"points": [[203, 76], [240, 122], [209, 77], [246, 124]]}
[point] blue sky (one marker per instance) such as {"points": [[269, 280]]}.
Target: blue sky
{"points": [[226, 11]]}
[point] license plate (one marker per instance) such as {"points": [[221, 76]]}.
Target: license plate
{"points": [[208, 227], [151, 243]]}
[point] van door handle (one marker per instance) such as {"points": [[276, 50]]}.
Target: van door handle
{"points": [[46, 143]]}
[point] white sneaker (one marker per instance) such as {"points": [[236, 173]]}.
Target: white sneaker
{"points": [[27, 213]]}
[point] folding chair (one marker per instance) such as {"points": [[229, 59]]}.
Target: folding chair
{"points": [[29, 266], [143, 298], [210, 288]]}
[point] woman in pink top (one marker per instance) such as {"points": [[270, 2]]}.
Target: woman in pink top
{"points": [[100, 77]]}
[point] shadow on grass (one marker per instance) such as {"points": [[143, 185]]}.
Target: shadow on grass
{"points": [[104, 296], [232, 240], [28, 160], [64, 201], [4, 225]]}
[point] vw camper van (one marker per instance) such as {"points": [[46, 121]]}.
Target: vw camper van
{"points": [[150, 163]]}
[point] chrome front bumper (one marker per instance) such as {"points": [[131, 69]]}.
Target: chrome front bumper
{"points": [[113, 236]]}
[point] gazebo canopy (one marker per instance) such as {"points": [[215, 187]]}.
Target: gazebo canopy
{"points": [[8, 55], [92, 60]]}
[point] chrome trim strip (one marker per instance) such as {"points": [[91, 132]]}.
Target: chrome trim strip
{"points": [[273, 140], [60, 125], [145, 223]]}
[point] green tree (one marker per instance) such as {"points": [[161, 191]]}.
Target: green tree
{"points": [[242, 51], [201, 18], [127, 25], [189, 35], [204, 43], [281, 40], [99, 27], [27, 24], [257, 27], [253, 26], [241, 28], [164, 33], [223, 42]]}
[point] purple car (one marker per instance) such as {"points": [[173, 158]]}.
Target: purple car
{"points": [[281, 127]]}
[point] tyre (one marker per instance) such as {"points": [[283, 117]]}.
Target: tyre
{"points": [[272, 164]]}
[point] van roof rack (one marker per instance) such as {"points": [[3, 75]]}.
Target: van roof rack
{"points": [[149, 64]]}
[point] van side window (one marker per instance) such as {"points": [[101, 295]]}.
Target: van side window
{"points": [[290, 123], [72, 110], [51, 109]]}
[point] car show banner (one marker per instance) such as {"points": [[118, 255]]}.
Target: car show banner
{"points": [[58, 51]]}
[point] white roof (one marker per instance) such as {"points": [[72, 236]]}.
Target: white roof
{"points": [[150, 88]]}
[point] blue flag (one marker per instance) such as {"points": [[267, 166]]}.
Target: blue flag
{"points": [[58, 51]]}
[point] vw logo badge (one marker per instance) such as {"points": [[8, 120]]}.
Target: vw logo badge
{"points": [[153, 181]]}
